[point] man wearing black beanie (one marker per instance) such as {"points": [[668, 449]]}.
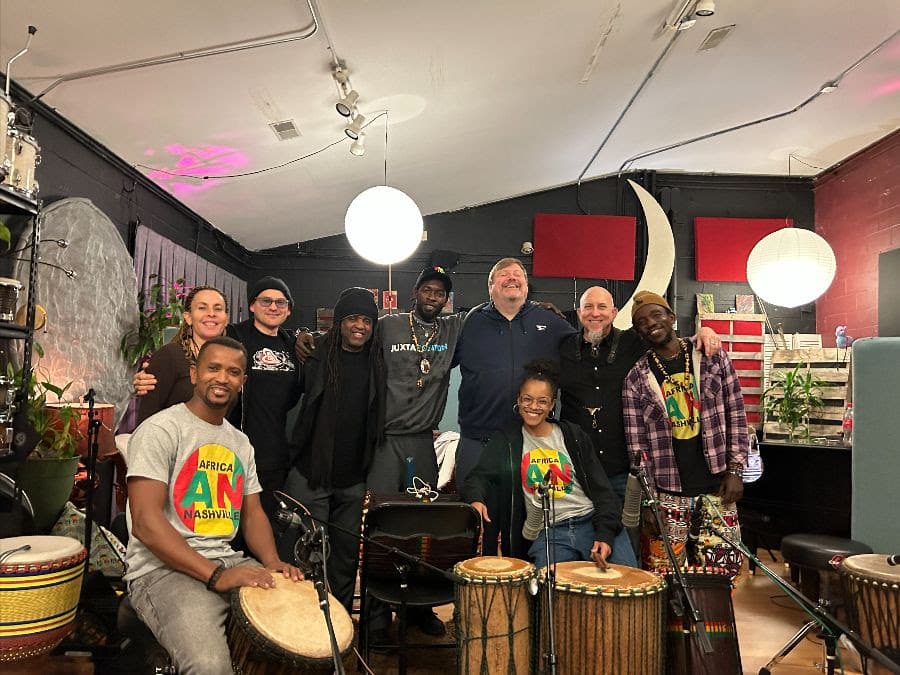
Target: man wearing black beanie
{"points": [[335, 434]]}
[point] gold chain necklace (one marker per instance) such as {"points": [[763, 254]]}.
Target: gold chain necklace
{"points": [[667, 377], [424, 363]]}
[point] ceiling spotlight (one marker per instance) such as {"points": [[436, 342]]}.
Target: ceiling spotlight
{"points": [[346, 104], [686, 22], [358, 147], [354, 129], [705, 8]]}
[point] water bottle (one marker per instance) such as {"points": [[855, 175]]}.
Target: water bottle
{"points": [[847, 425]]}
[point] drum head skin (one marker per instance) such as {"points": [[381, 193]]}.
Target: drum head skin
{"points": [[872, 566], [586, 577], [494, 567], [289, 616], [41, 549]]}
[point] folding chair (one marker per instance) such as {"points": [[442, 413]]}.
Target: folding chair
{"points": [[441, 533]]}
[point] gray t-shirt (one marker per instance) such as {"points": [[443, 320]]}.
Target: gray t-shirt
{"points": [[410, 409], [208, 469], [540, 454]]}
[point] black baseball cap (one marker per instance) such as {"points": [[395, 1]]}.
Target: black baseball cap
{"points": [[435, 272]]}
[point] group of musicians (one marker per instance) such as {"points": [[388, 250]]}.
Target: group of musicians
{"points": [[373, 390]]}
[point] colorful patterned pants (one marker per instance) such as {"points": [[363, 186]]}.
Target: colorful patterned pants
{"points": [[707, 550]]}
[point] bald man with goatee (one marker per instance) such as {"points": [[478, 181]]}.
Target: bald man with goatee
{"points": [[593, 366]]}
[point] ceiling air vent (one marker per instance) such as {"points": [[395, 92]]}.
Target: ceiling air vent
{"points": [[285, 130], [715, 37]]}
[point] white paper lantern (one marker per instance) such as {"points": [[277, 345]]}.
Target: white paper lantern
{"points": [[791, 267], [383, 225]]}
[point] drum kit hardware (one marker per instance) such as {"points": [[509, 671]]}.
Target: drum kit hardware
{"points": [[20, 153]]}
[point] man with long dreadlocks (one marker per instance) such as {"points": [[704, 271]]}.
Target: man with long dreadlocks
{"points": [[336, 431]]}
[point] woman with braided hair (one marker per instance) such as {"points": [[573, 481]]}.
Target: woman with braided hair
{"points": [[205, 317]]}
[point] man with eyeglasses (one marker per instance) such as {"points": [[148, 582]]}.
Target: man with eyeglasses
{"points": [[272, 387]]}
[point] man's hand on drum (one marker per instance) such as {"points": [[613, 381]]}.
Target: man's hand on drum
{"points": [[481, 507], [600, 551], [143, 381], [244, 575], [287, 571]]}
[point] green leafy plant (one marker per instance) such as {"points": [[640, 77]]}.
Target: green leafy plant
{"points": [[5, 235], [57, 428], [166, 305], [792, 397]]}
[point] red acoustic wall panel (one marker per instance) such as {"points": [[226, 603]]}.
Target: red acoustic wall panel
{"points": [[722, 245], [588, 247]]}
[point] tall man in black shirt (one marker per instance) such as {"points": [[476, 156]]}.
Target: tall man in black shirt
{"points": [[593, 366], [334, 438]]}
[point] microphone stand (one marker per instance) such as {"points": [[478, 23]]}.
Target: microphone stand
{"points": [[693, 615], [829, 624], [545, 490], [93, 432], [317, 559]]}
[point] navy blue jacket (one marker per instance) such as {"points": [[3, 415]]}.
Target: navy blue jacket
{"points": [[491, 353]]}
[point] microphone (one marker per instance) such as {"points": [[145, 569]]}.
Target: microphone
{"points": [[631, 507], [893, 560], [547, 481], [288, 518], [696, 521]]}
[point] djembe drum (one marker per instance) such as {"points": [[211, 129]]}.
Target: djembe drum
{"points": [[607, 622], [493, 627], [282, 630], [40, 583], [872, 594]]}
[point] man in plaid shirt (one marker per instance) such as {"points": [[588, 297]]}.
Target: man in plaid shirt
{"points": [[685, 424]]}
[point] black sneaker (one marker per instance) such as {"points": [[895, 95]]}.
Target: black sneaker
{"points": [[429, 623]]}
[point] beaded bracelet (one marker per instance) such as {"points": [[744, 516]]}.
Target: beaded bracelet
{"points": [[214, 577]]}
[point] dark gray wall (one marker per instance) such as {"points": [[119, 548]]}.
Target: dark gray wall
{"points": [[317, 270]]}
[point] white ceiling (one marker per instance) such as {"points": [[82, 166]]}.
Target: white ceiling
{"points": [[485, 97]]}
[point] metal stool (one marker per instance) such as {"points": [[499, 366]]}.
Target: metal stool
{"points": [[811, 557]]}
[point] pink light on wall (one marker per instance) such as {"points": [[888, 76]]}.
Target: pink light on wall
{"points": [[888, 87], [196, 168]]}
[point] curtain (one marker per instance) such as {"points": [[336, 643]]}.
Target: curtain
{"points": [[154, 254]]}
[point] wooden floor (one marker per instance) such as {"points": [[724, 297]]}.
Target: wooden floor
{"points": [[766, 619]]}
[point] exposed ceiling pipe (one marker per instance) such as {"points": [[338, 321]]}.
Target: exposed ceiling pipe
{"points": [[202, 52]]}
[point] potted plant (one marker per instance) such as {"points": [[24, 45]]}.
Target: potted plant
{"points": [[48, 474], [791, 398], [160, 309]]}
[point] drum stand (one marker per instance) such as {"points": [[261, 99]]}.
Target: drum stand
{"points": [[545, 490], [831, 627], [681, 601], [317, 560]]}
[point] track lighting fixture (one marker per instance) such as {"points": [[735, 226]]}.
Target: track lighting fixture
{"points": [[705, 8], [354, 129], [358, 147], [347, 103]]}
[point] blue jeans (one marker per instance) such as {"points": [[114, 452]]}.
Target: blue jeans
{"points": [[623, 550], [573, 539]]}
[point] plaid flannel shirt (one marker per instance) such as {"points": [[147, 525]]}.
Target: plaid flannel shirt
{"points": [[723, 424]]}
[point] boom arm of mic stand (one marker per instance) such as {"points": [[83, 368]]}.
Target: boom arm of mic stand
{"points": [[823, 618], [693, 613], [318, 575]]}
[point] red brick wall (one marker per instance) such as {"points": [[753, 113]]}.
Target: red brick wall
{"points": [[858, 212]]}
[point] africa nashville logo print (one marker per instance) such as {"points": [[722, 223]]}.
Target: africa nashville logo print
{"points": [[209, 491]]}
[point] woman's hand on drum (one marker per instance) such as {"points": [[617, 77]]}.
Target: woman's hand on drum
{"points": [[143, 381], [244, 575], [481, 507], [288, 571], [600, 551]]}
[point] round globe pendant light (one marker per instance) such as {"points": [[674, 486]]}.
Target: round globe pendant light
{"points": [[791, 267], [383, 225]]}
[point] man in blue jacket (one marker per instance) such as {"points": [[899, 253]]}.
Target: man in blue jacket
{"points": [[497, 340]]}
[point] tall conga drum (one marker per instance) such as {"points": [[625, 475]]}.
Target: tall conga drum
{"points": [[872, 594], [282, 630], [710, 590], [607, 622], [493, 629], [40, 583]]}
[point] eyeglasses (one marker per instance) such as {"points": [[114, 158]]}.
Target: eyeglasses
{"points": [[536, 402], [280, 303]]}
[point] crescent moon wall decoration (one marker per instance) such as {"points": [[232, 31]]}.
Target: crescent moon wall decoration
{"points": [[660, 263]]}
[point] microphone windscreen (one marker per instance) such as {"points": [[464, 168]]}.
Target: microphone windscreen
{"points": [[631, 509]]}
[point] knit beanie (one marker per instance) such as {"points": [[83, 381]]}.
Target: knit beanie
{"points": [[642, 298], [355, 300], [267, 283]]}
